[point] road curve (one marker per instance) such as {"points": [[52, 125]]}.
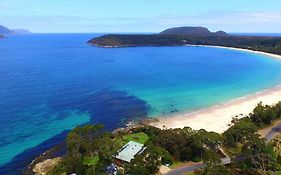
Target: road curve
{"points": [[191, 168], [185, 169], [275, 130]]}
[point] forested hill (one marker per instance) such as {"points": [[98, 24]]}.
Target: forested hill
{"points": [[4, 31], [137, 40], [194, 31], [257, 43]]}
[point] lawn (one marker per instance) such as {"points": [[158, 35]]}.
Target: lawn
{"points": [[90, 161], [139, 137]]}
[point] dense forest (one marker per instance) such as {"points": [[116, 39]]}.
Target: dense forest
{"points": [[90, 148], [194, 31], [256, 43]]}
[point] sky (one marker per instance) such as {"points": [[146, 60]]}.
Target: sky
{"points": [[140, 16]]}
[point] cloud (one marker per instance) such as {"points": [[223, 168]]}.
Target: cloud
{"points": [[225, 19], [229, 21], [2, 8]]}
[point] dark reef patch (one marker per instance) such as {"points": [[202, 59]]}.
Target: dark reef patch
{"points": [[19, 163], [107, 107]]}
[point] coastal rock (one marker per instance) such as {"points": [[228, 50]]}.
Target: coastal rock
{"points": [[148, 121], [46, 166], [136, 124], [54, 152]]}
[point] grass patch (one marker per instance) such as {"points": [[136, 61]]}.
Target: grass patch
{"points": [[91, 161], [139, 137], [233, 151]]}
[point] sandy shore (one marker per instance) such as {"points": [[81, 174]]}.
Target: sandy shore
{"points": [[244, 50], [218, 117]]}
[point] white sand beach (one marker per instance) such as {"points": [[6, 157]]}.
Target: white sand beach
{"points": [[218, 117], [239, 49]]}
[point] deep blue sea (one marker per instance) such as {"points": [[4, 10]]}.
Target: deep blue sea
{"points": [[50, 83]]}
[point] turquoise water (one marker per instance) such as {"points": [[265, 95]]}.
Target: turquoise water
{"points": [[185, 79], [52, 83]]}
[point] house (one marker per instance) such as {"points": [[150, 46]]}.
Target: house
{"points": [[129, 151]]}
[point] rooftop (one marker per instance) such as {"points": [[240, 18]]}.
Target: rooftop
{"points": [[128, 152]]}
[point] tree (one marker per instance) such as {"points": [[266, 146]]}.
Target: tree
{"points": [[146, 163], [239, 131], [256, 154], [166, 159], [213, 165], [83, 138], [264, 114], [86, 142], [208, 140]]}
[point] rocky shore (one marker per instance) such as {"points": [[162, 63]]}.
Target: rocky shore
{"points": [[50, 154], [42, 168]]}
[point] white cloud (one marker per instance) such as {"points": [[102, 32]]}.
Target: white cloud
{"points": [[228, 21], [217, 21]]}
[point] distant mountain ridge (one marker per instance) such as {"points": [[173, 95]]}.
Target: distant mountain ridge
{"points": [[6, 31], [194, 31], [21, 31]]}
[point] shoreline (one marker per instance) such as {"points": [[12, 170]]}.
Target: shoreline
{"points": [[216, 118], [239, 49]]}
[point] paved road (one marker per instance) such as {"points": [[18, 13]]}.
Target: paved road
{"points": [[185, 169], [273, 132], [188, 169]]}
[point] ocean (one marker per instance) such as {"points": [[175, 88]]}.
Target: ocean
{"points": [[51, 83]]}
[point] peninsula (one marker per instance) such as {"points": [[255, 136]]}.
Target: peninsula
{"points": [[191, 36], [200, 36], [4, 31]]}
